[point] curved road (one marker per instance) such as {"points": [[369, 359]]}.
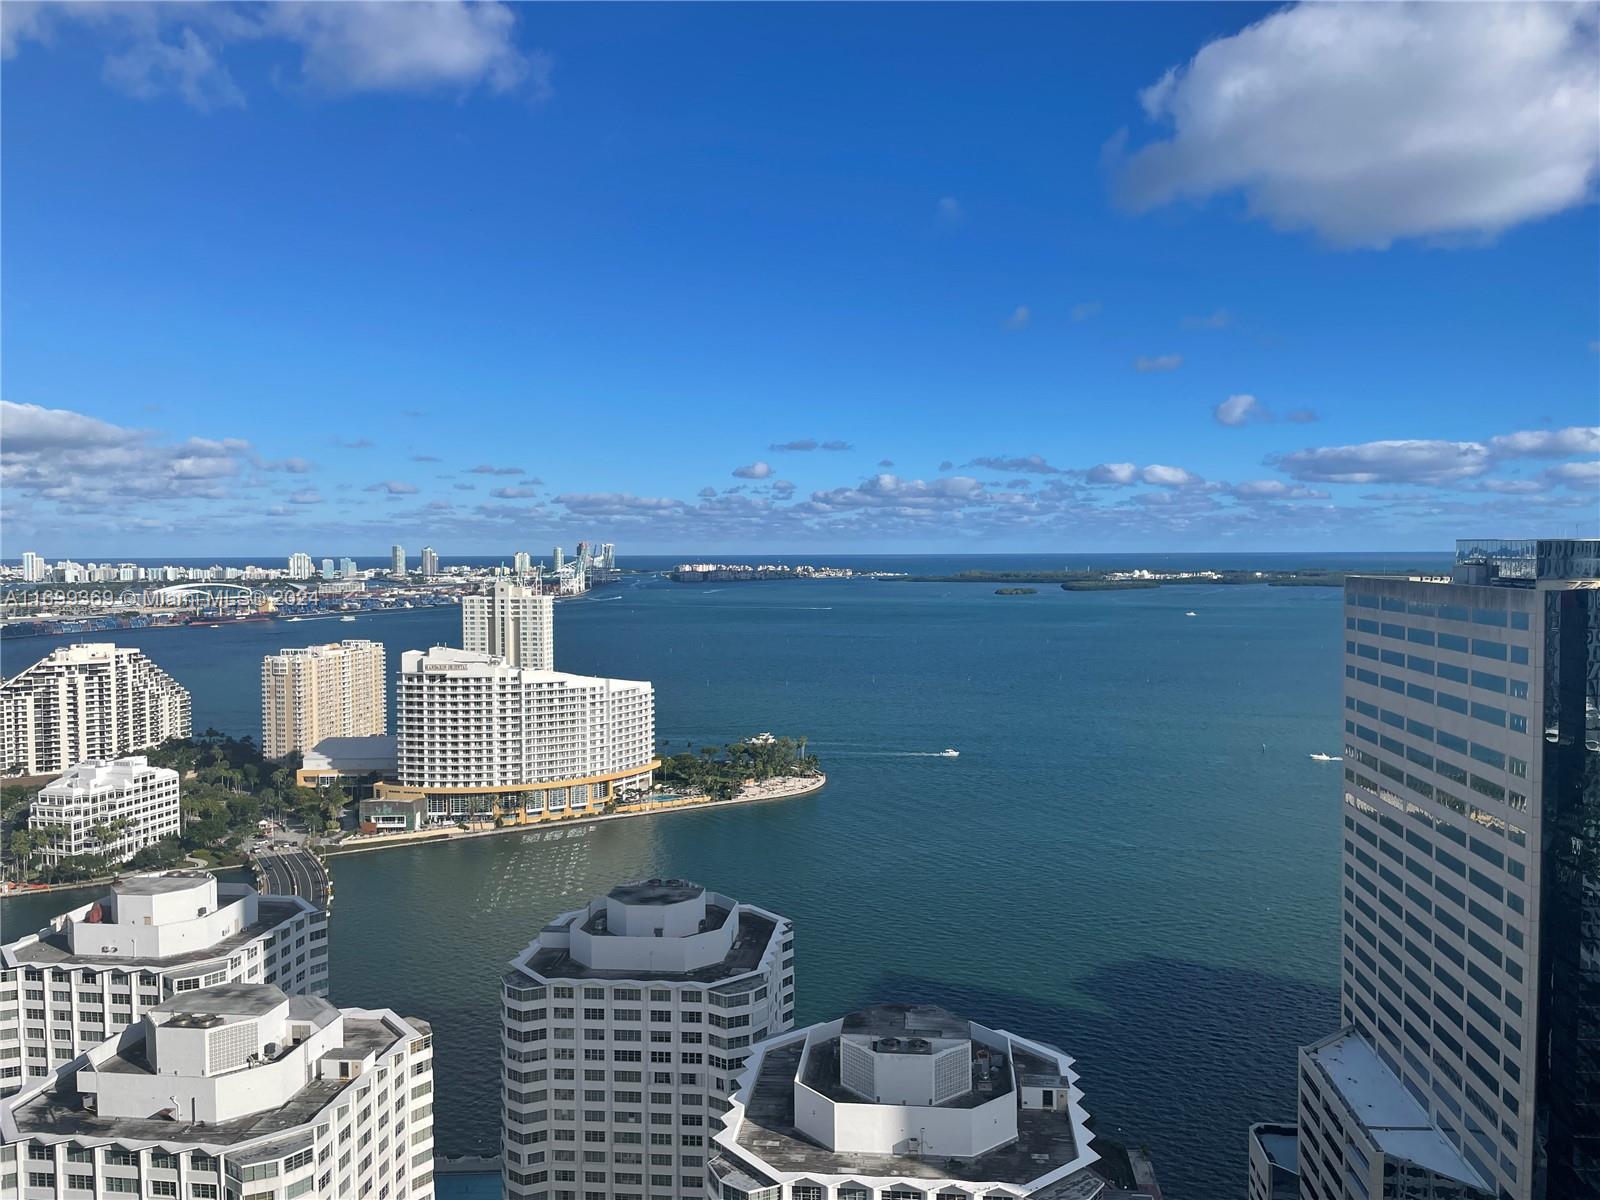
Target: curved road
{"points": [[293, 873]]}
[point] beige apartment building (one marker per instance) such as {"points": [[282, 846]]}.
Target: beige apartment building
{"points": [[313, 692]]}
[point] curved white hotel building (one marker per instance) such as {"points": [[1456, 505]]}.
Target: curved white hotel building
{"points": [[906, 1102], [479, 736], [626, 1024]]}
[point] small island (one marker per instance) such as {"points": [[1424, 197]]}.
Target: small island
{"points": [[1108, 585], [1015, 591]]}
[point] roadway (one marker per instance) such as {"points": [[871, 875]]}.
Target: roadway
{"points": [[293, 872]]}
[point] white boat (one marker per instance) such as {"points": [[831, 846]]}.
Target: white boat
{"points": [[949, 754], [347, 618], [1191, 613], [1326, 758]]}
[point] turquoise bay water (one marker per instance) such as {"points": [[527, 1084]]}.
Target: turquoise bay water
{"points": [[1133, 856]]}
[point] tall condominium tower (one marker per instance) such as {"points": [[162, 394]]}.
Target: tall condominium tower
{"points": [[513, 622], [313, 692], [907, 1102], [563, 743], [430, 562], [93, 970], [1470, 985], [397, 560], [91, 700], [233, 1091], [626, 1025], [33, 567], [300, 565]]}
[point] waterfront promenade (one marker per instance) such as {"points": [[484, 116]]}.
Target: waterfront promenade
{"points": [[752, 793]]}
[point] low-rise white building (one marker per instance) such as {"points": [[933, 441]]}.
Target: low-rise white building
{"points": [[906, 1102], [626, 1023], [235, 1091], [106, 808], [97, 968], [479, 736]]}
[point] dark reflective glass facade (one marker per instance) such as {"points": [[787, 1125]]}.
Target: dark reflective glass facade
{"points": [[1568, 1088]]}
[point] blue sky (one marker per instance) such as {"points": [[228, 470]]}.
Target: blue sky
{"points": [[797, 278]]}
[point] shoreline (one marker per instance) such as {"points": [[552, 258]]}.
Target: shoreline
{"points": [[798, 785], [803, 785]]}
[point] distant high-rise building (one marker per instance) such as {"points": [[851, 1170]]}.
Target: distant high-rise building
{"points": [[146, 938], [329, 571], [608, 556], [397, 560], [313, 692], [347, 568], [512, 621], [660, 988], [1470, 1058], [300, 566], [557, 558], [111, 809], [233, 1090], [905, 1102], [521, 563], [33, 567], [563, 743], [430, 562], [91, 700]]}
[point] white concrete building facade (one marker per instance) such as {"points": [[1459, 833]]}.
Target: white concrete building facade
{"points": [[235, 1091], [95, 969], [92, 700], [511, 621], [309, 693], [905, 1102], [626, 1025], [106, 808], [476, 734]]}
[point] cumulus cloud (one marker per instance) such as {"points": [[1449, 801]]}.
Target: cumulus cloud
{"points": [[1118, 474], [1399, 461], [290, 466], [1164, 476], [1302, 416], [305, 496], [886, 463], [1239, 410], [1575, 474], [1086, 310], [906, 495], [706, 493], [1032, 464], [1547, 443], [486, 469], [612, 504], [803, 444], [782, 488], [394, 487], [1372, 122], [184, 49], [837, 445], [1019, 318], [520, 492], [755, 470], [946, 465], [1274, 489], [1160, 362]]}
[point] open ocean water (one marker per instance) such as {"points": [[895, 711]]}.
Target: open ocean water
{"points": [[1133, 858]]}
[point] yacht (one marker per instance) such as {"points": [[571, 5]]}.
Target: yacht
{"points": [[1326, 758], [949, 754]]}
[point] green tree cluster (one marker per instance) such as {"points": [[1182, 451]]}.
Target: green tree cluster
{"points": [[720, 771]]}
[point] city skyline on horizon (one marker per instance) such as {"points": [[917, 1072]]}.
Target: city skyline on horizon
{"points": [[496, 277]]}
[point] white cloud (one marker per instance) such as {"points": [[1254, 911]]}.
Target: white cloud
{"points": [[1160, 362], [1576, 474], [1113, 474], [1547, 443], [514, 493], [28, 427], [486, 469], [1274, 489], [394, 487], [836, 445], [1371, 122], [155, 49], [1033, 464], [1401, 461], [1238, 410], [1019, 318], [306, 496], [756, 470], [1164, 476]]}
